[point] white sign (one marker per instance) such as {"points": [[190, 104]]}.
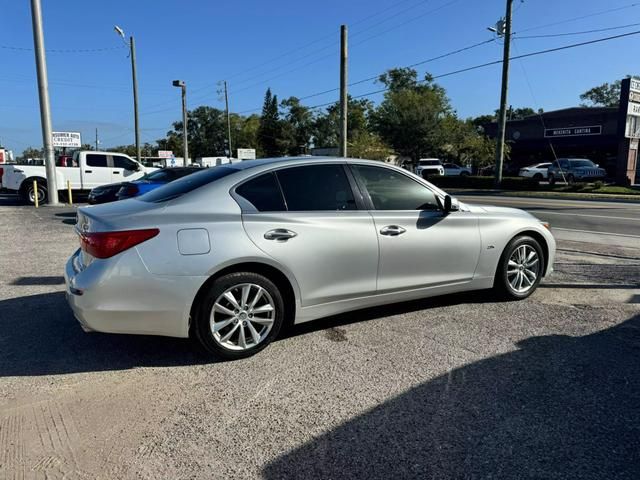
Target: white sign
{"points": [[165, 153], [635, 85], [66, 139], [247, 153], [633, 109]]}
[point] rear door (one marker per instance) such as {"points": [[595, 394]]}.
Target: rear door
{"points": [[123, 169], [308, 219], [420, 246], [95, 170]]}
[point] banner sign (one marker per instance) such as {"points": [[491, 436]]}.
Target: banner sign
{"points": [[573, 131], [66, 139]]}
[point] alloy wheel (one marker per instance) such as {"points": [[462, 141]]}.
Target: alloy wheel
{"points": [[523, 268], [242, 316]]}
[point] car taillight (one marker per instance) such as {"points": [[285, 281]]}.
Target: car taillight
{"points": [[108, 244], [128, 191]]}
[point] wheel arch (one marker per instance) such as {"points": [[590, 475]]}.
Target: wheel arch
{"points": [[29, 180], [277, 276], [541, 241]]}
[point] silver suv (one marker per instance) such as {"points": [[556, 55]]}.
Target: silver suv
{"points": [[231, 254], [574, 170]]}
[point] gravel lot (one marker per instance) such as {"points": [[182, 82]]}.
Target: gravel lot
{"points": [[455, 387]]}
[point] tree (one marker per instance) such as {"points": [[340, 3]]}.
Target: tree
{"points": [[270, 129], [31, 153], [297, 126], [326, 127], [244, 131], [605, 95], [206, 133], [411, 115], [364, 144], [147, 150]]}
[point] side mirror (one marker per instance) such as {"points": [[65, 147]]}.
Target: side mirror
{"points": [[450, 204]]}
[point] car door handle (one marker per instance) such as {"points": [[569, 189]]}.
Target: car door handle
{"points": [[88, 171], [392, 230], [280, 234], [116, 173]]}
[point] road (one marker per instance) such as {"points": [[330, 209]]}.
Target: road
{"points": [[614, 223]]}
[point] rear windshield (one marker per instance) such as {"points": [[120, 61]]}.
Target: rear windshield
{"points": [[186, 184]]}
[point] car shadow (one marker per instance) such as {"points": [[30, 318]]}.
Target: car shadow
{"points": [[40, 336], [556, 407], [28, 281]]}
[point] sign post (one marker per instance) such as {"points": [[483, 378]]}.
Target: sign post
{"points": [[628, 132]]}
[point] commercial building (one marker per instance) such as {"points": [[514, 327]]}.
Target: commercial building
{"points": [[606, 135]]}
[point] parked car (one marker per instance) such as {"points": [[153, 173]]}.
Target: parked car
{"points": [[104, 194], [574, 170], [90, 169], [453, 170], [537, 171], [228, 254], [153, 180], [429, 166]]}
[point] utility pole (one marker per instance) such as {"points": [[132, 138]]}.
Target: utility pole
{"points": [[185, 143], [343, 91], [503, 29], [45, 110], [226, 101], [134, 77], [97, 139]]}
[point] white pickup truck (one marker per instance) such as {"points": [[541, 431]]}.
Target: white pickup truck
{"points": [[86, 170]]}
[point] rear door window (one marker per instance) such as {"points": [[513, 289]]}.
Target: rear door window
{"points": [[96, 160], [316, 188], [263, 192]]}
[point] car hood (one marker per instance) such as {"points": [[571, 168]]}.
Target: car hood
{"points": [[501, 211]]}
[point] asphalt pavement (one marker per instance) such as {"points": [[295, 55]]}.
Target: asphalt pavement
{"points": [[616, 223], [462, 386]]}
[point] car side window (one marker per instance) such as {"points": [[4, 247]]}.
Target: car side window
{"points": [[316, 188], [96, 160], [391, 190], [263, 193], [123, 162], [564, 163]]}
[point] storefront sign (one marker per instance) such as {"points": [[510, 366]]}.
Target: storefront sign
{"points": [[573, 131], [635, 85], [633, 109]]}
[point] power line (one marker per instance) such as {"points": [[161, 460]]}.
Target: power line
{"points": [[582, 17], [497, 62], [64, 50], [566, 34]]}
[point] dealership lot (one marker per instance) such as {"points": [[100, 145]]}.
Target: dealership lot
{"points": [[459, 386]]}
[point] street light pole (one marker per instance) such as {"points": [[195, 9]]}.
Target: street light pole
{"points": [[502, 117], [45, 110], [226, 102], [134, 77], [185, 146]]}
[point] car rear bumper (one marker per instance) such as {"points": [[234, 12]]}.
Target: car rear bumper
{"points": [[119, 295]]}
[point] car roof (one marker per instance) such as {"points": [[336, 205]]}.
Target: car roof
{"points": [[281, 161]]}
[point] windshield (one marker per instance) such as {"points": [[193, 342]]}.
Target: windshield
{"points": [[186, 184], [582, 163]]}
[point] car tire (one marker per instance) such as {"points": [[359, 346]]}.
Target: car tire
{"points": [[522, 258], [245, 329], [538, 177], [28, 194], [570, 179], [464, 174], [551, 179]]}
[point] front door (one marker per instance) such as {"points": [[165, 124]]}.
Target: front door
{"points": [[420, 246], [308, 220], [123, 169]]}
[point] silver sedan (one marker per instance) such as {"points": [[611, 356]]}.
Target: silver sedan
{"points": [[229, 254]]}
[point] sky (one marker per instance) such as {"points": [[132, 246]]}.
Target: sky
{"points": [[291, 46]]}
